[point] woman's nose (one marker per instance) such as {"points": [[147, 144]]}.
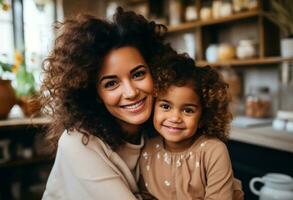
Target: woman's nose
{"points": [[130, 91]]}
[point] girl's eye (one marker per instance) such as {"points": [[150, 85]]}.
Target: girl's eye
{"points": [[188, 110], [138, 74], [110, 84], [165, 106]]}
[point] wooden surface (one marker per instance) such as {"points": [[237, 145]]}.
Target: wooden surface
{"points": [[264, 136], [24, 121]]}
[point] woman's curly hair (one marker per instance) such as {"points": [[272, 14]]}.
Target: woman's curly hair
{"points": [[180, 70], [69, 93]]}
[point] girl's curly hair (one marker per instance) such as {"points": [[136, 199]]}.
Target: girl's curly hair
{"points": [[69, 92], [180, 70]]}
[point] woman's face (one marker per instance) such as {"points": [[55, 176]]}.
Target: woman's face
{"points": [[125, 86]]}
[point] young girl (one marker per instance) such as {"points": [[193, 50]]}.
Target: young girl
{"points": [[189, 159]]}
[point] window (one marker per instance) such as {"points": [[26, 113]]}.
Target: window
{"points": [[6, 35], [38, 33]]}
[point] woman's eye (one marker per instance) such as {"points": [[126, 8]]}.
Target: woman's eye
{"points": [[110, 84], [165, 106], [188, 110], [138, 74]]}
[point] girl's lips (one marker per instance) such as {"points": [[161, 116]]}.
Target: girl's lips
{"points": [[135, 107], [173, 129]]}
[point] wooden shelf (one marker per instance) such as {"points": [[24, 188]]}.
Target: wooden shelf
{"points": [[233, 17], [26, 162], [192, 25], [246, 62], [24, 121]]}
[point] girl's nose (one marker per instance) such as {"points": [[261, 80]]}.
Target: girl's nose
{"points": [[175, 117], [130, 91]]}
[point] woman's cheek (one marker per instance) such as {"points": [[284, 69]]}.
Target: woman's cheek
{"points": [[110, 98]]}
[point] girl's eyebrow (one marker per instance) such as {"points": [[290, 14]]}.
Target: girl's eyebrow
{"points": [[191, 104], [187, 104], [114, 76]]}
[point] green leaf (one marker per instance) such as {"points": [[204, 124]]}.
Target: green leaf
{"points": [[25, 83], [6, 67]]}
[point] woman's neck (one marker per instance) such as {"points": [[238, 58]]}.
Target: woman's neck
{"points": [[131, 132]]}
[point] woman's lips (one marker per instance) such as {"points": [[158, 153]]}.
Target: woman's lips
{"points": [[135, 107]]}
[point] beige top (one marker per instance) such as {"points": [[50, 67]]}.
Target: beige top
{"points": [[203, 171], [93, 171]]}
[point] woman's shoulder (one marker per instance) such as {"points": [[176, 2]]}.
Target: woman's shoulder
{"points": [[74, 141]]}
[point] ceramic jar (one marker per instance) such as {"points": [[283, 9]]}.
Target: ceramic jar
{"points": [[226, 52], [246, 49], [175, 8], [216, 9], [7, 98], [276, 187], [226, 9], [212, 53], [190, 13], [287, 47], [206, 13]]}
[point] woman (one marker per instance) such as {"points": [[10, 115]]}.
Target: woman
{"points": [[98, 87]]}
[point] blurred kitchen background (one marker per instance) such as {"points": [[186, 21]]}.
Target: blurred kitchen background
{"points": [[249, 41]]}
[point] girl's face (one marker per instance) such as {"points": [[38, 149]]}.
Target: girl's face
{"points": [[125, 86], [177, 115]]}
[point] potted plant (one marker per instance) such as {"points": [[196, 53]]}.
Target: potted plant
{"points": [[25, 88], [281, 14], [7, 95], [24, 92]]}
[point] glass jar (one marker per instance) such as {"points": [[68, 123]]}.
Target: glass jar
{"points": [[258, 103]]}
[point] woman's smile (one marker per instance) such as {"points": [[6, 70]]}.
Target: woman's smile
{"points": [[135, 107]]}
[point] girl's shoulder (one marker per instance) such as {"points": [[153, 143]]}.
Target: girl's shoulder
{"points": [[207, 144], [153, 145]]}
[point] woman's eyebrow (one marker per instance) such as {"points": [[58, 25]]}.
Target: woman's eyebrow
{"points": [[107, 77], [137, 68], [131, 71]]}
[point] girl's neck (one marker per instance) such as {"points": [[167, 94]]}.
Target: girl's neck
{"points": [[181, 145], [130, 132]]}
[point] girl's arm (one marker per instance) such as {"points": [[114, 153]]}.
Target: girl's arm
{"points": [[219, 173], [81, 173]]}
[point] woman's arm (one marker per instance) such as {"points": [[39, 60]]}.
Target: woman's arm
{"points": [[81, 173]]}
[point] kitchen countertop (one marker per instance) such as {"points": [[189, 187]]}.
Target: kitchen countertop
{"points": [[264, 136]]}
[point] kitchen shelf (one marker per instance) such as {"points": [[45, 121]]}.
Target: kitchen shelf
{"points": [[246, 62], [24, 122], [264, 136], [192, 25]]}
